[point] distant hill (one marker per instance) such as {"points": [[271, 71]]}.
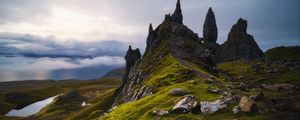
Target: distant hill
{"points": [[115, 73], [284, 53]]}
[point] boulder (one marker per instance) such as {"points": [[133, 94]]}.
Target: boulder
{"points": [[178, 92], [211, 107], [247, 104], [187, 104]]}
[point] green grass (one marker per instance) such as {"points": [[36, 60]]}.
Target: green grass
{"points": [[95, 109], [142, 109]]}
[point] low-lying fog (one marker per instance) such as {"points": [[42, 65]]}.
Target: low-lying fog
{"points": [[27, 68]]}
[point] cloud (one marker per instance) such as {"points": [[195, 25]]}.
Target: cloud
{"points": [[127, 21], [26, 43], [21, 68]]}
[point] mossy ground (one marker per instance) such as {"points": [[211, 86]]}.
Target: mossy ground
{"points": [[91, 90]]}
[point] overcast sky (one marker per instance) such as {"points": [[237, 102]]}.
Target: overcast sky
{"points": [[46, 25]]}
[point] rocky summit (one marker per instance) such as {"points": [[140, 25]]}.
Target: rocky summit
{"points": [[239, 45]]}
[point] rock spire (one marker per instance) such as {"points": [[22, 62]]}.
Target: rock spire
{"points": [[177, 15], [210, 30]]}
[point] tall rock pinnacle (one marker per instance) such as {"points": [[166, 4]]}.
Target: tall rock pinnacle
{"points": [[210, 30], [177, 15], [131, 57], [239, 45]]}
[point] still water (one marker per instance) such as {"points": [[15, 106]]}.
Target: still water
{"points": [[31, 109]]}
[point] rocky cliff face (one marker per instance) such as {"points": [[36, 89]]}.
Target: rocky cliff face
{"points": [[132, 56], [239, 45]]}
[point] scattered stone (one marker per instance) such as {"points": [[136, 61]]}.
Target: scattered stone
{"points": [[178, 92], [278, 87], [247, 104], [211, 90], [161, 112], [187, 104], [235, 109], [211, 107], [210, 80]]}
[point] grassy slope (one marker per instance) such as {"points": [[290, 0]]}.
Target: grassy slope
{"points": [[168, 77], [284, 53], [90, 89]]}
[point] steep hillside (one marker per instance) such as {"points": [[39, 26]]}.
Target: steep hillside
{"points": [[177, 77]]}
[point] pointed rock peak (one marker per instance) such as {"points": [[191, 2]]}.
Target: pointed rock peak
{"points": [[177, 15], [178, 5], [241, 25], [210, 10], [150, 28], [210, 30], [129, 48]]}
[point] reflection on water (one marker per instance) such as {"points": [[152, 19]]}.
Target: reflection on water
{"points": [[31, 109], [24, 68]]}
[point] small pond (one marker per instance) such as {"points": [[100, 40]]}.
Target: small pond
{"points": [[32, 108]]}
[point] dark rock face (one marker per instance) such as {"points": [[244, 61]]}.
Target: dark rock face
{"points": [[171, 37], [177, 15], [210, 30], [131, 57], [240, 45]]}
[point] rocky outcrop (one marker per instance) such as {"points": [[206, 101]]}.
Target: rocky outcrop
{"points": [[210, 30], [187, 104], [239, 45], [132, 56]]}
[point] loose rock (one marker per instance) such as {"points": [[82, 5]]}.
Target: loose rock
{"points": [[187, 104], [247, 104], [178, 92]]}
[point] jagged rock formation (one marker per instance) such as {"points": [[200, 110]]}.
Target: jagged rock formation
{"points": [[132, 56], [210, 30], [239, 45], [171, 38]]}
